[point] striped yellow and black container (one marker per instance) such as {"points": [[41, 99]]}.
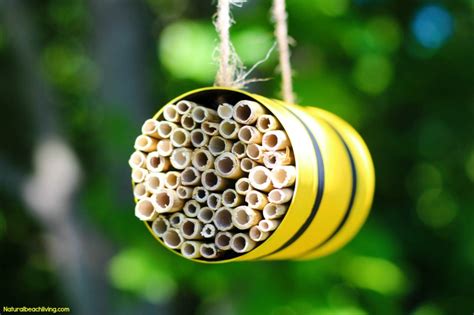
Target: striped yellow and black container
{"points": [[334, 186]]}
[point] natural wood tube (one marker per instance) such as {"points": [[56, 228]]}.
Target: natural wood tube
{"points": [[172, 180], [211, 180], [208, 230], [150, 128], [184, 192], [229, 129], [244, 218], [139, 174], [201, 114], [181, 158], [157, 163], [273, 211], [190, 176], [238, 149], [260, 178], [275, 140], [214, 201], [202, 159], [242, 186], [267, 123], [280, 196], [191, 249], [222, 240], [165, 128], [205, 215], [231, 199], [210, 128], [188, 123], [160, 226], [255, 152], [140, 191], [247, 112], [180, 137], [272, 159], [164, 147], [256, 199], [283, 176], [154, 182], [227, 165], [185, 107], [223, 219], [145, 210], [209, 251], [246, 165], [224, 111], [170, 113], [241, 243], [199, 138], [137, 160], [268, 225], [191, 229], [257, 235], [191, 208], [173, 239], [250, 134], [200, 194], [219, 145], [145, 143], [167, 201], [176, 219]]}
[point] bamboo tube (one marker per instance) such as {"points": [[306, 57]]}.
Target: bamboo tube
{"points": [[255, 152], [154, 182], [164, 147], [257, 235], [238, 149], [205, 215], [184, 192], [223, 219], [173, 239], [165, 128], [201, 114], [172, 180], [191, 249], [191, 208], [202, 159], [180, 138], [170, 113], [247, 112], [160, 226], [140, 191], [227, 165], [267, 123], [275, 140], [212, 181], [199, 138], [268, 225], [222, 240], [209, 251], [176, 219], [250, 134], [190, 176], [283, 176], [242, 186], [224, 111], [284, 157], [256, 200], [167, 201], [145, 143], [181, 158], [185, 107], [280, 196], [188, 122], [229, 129], [137, 160], [219, 145], [157, 163], [214, 201], [191, 229], [145, 210], [231, 199], [208, 230], [273, 211], [244, 218], [241, 243], [246, 165], [260, 178], [200, 194], [150, 128], [139, 174], [210, 128]]}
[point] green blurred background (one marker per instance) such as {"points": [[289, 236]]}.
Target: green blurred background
{"points": [[79, 77]]}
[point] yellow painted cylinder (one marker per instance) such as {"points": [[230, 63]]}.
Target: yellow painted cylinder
{"points": [[334, 186]]}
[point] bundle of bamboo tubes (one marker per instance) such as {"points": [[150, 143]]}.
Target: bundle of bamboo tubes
{"points": [[213, 183]]}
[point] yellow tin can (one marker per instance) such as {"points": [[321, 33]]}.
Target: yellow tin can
{"points": [[334, 186]]}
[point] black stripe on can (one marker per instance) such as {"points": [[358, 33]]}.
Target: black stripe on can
{"points": [[351, 199], [319, 193]]}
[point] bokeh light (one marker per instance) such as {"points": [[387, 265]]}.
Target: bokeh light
{"points": [[470, 166], [253, 44], [432, 26], [333, 7], [436, 208], [372, 73], [186, 49]]}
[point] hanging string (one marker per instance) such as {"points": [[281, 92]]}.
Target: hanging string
{"points": [[281, 34], [230, 66]]}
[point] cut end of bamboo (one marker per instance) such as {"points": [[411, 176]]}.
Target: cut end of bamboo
{"points": [[212, 181], [224, 111], [191, 229], [214, 201], [260, 178], [173, 239], [241, 243], [247, 112], [227, 165], [184, 107], [229, 129], [209, 251], [191, 249], [200, 194], [242, 186], [280, 196], [181, 158], [267, 123], [137, 160], [208, 231], [222, 240], [205, 215], [170, 113], [145, 210], [160, 226], [275, 140], [223, 219], [191, 208], [244, 217], [199, 138]]}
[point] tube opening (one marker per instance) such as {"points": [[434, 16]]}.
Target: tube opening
{"points": [[188, 122], [198, 138], [179, 137], [145, 208], [172, 238], [243, 112], [170, 113], [172, 180], [165, 129], [190, 176], [223, 240], [217, 145], [223, 219], [205, 215], [208, 231], [160, 226]]}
